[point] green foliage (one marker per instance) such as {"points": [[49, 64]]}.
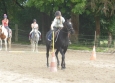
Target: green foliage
{"points": [[111, 26], [11, 8], [108, 24], [103, 7], [87, 25], [79, 6]]}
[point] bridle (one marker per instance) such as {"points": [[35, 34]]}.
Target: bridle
{"points": [[68, 29]]}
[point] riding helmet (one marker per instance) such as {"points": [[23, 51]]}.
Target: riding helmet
{"points": [[34, 20], [5, 16], [57, 13]]}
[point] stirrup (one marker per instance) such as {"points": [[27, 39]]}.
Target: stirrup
{"points": [[49, 40], [70, 42]]}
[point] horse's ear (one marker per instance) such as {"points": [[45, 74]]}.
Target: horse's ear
{"points": [[68, 20]]}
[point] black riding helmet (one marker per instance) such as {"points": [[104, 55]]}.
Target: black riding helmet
{"points": [[57, 13], [34, 20], [5, 16]]}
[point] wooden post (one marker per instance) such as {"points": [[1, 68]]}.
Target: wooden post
{"points": [[95, 38], [16, 32], [114, 42]]}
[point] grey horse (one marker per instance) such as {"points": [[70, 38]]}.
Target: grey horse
{"points": [[34, 38]]}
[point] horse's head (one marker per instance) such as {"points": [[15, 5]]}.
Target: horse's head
{"points": [[68, 26], [35, 31]]}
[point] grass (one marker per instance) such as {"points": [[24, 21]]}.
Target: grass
{"points": [[74, 46], [88, 48], [79, 47]]}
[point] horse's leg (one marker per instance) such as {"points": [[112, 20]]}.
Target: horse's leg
{"points": [[32, 45], [64, 54], [0, 44], [36, 46], [63, 58], [47, 54], [9, 43], [5, 40], [56, 53]]}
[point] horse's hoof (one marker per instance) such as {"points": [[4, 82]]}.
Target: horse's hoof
{"points": [[47, 65], [57, 66], [63, 68]]}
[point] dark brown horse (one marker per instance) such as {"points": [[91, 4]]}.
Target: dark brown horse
{"points": [[61, 43]]}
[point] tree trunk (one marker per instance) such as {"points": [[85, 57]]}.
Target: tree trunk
{"points": [[42, 25], [45, 22], [75, 21], [97, 21]]}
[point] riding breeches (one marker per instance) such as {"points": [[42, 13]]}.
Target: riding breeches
{"points": [[55, 33], [8, 29]]}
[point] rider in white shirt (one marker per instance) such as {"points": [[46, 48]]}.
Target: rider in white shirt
{"points": [[57, 23], [34, 25]]}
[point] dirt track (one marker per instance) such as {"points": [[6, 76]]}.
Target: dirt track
{"points": [[20, 65]]}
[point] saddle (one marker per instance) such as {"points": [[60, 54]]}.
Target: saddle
{"points": [[30, 36]]}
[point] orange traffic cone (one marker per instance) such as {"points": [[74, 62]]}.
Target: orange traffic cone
{"points": [[93, 57], [53, 67]]}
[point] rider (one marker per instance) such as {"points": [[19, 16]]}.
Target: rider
{"points": [[57, 23], [35, 25], [5, 22]]}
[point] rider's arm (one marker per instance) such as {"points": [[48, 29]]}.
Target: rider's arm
{"points": [[31, 25], [7, 21], [53, 24], [3, 22]]}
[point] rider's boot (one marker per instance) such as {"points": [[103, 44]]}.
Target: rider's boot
{"points": [[8, 33], [29, 36], [69, 38], [40, 37]]}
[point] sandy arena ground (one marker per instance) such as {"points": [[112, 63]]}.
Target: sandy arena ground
{"points": [[20, 65]]}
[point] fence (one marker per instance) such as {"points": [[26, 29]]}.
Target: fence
{"points": [[21, 36], [88, 40]]}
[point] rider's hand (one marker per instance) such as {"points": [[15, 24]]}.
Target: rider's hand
{"points": [[52, 28]]}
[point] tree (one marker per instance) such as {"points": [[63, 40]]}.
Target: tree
{"points": [[101, 7], [69, 8], [10, 7]]}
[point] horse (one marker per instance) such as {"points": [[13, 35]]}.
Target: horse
{"points": [[61, 43], [4, 36], [34, 38]]}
